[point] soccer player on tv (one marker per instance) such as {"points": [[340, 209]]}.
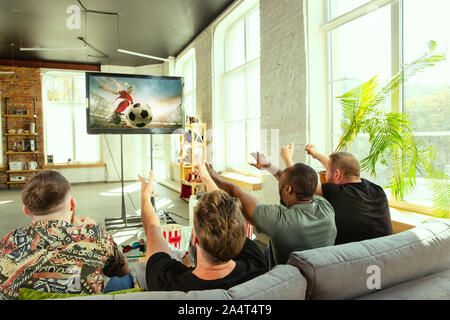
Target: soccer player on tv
{"points": [[122, 102]]}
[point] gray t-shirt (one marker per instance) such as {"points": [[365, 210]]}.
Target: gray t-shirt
{"points": [[297, 228]]}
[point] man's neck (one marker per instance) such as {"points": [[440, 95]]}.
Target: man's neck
{"points": [[351, 180], [58, 216], [208, 271]]}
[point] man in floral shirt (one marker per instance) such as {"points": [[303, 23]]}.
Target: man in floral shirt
{"points": [[58, 252]]}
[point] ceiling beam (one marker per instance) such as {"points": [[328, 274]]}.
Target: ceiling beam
{"points": [[50, 65]]}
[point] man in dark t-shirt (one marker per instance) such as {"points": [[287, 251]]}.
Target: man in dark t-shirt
{"points": [[224, 256], [167, 274], [361, 207]]}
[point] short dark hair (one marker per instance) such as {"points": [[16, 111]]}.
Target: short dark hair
{"points": [[346, 162], [219, 226], [303, 180], [45, 192]]}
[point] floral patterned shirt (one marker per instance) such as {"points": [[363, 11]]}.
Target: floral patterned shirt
{"points": [[57, 257]]}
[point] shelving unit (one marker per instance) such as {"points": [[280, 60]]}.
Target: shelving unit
{"points": [[24, 156], [193, 145]]}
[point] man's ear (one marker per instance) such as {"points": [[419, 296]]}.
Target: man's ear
{"points": [[338, 174], [26, 211], [289, 189], [194, 238]]}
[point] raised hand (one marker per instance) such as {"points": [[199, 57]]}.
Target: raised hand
{"points": [[201, 169], [286, 154], [261, 161], [147, 187], [312, 151]]}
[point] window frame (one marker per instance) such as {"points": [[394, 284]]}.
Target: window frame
{"points": [[73, 105]]}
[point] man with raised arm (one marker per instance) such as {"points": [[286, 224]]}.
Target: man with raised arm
{"points": [[361, 207], [302, 221], [224, 256]]}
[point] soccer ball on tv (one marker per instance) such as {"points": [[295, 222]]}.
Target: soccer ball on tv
{"points": [[139, 116]]}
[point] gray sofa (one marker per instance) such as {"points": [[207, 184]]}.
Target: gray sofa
{"points": [[414, 264]]}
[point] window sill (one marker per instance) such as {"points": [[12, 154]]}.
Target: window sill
{"points": [[75, 165], [405, 206], [403, 220], [244, 180]]}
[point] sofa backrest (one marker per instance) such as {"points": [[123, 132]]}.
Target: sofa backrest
{"points": [[355, 269], [284, 282]]}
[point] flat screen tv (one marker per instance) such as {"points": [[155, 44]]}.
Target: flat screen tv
{"points": [[133, 104]]}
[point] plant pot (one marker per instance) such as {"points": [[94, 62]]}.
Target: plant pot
{"points": [[323, 176]]}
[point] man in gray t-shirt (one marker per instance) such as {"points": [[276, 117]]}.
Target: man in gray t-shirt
{"points": [[302, 221], [299, 227]]}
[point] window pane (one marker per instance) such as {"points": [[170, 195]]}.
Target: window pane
{"points": [[427, 94], [253, 37], [422, 194], [58, 133], [175, 147], [235, 46], [58, 89], [253, 142], [86, 146], [188, 76], [340, 7], [361, 49], [253, 93], [235, 145], [235, 97], [189, 105], [79, 89]]}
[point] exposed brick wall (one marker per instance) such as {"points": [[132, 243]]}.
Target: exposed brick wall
{"points": [[21, 87]]}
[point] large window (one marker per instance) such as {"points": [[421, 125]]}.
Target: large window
{"points": [[239, 85], [377, 41], [65, 137]]}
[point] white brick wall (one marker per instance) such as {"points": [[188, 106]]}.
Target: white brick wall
{"points": [[283, 80], [283, 73]]}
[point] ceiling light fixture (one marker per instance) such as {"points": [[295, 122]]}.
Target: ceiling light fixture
{"points": [[142, 55]]}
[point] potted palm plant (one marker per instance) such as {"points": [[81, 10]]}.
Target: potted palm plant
{"points": [[391, 138]]}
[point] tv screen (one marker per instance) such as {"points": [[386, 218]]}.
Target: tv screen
{"points": [[139, 104]]}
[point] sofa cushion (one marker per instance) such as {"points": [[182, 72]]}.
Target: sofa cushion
{"points": [[433, 287], [346, 271], [284, 282]]}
